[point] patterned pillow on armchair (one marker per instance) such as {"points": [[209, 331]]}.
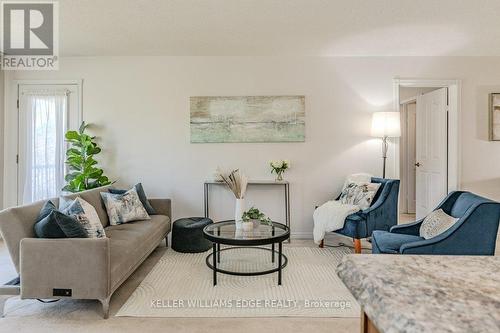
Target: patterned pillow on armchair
{"points": [[360, 194]]}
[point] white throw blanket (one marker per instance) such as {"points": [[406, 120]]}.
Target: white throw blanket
{"points": [[330, 217]]}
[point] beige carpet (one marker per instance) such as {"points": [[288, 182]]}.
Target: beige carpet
{"points": [[180, 285], [77, 316]]}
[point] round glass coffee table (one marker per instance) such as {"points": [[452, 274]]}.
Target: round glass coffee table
{"points": [[226, 233]]}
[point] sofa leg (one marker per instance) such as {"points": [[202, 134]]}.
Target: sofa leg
{"points": [[357, 245], [105, 307], [322, 244], [7, 291], [3, 301], [166, 241]]}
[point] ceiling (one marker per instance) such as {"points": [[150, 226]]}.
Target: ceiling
{"points": [[280, 27]]}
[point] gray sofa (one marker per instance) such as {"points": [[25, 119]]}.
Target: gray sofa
{"points": [[79, 268]]}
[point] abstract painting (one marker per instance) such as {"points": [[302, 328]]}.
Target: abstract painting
{"points": [[247, 119]]}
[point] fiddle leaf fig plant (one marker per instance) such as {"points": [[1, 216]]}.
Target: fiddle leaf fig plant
{"points": [[83, 174]]}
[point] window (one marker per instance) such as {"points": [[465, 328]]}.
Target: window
{"points": [[45, 114]]}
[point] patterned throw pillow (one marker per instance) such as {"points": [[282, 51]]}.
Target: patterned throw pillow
{"points": [[142, 196], [85, 214], [436, 223], [123, 208], [360, 194]]}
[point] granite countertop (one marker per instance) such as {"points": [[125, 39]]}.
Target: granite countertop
{"points": [[404, 293]]}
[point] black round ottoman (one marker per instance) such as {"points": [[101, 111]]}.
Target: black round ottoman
{"points": [[187, 235]]}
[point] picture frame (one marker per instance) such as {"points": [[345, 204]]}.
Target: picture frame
{"points": [[494, 117], [247, 119]]}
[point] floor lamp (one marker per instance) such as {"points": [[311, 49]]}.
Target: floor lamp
{"points": [[386, 125]]}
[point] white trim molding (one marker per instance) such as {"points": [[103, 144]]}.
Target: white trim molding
{"points": [[11, 129], [454, 104]]}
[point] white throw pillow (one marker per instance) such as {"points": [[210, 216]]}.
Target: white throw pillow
{"points": [[84, 213], [123, 208], [360, 194], [436, 223]]}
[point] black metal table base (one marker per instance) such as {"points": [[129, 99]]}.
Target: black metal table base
{"points": [[286, 192], [216, 255]]}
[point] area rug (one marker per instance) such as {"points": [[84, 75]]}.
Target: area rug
{"points": [[180, 285]]}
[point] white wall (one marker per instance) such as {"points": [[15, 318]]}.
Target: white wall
{"points": [[140, 106], [2, 106]]}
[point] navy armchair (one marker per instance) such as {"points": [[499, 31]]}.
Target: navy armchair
{"points": [[474, 233], [381, 215]]}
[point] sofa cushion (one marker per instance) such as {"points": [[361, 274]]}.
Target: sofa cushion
{"points": [[360, 194], [435, 223], [52, 223], [85, 214], [123, 208], [142, 196], [386, 242], [46, 225], [130, 243], [71, 227], [93, 197]]}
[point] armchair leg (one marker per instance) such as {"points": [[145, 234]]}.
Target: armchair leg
{"points": [[322, 244], [357, 245]]}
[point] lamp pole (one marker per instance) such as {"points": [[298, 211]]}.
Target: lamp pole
{"points": [[385, 147]]}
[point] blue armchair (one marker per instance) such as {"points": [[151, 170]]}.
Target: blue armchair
{"points": [[474, 233], [381, 215]]}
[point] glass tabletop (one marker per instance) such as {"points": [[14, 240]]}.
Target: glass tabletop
{"points": [[226, 230]]}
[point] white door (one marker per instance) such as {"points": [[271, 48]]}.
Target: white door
{"points": [[46, 112], [431, 146]]}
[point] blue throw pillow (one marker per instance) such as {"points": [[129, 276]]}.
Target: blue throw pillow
{"points": [[142, 197], [69, 225], [46, 226], [52, 223]]}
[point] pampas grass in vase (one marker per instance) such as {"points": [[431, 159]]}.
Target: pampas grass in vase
{"points": [[237, 183]]}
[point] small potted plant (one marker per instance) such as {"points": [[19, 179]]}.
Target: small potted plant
{"points": [[279, 167], [255, 217]]}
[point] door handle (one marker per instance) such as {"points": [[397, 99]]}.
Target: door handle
{"points": [[417, 164]]}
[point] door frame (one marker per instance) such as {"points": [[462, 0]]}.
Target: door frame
{"points": [[454, 105], [404, 145], [11, 139]]}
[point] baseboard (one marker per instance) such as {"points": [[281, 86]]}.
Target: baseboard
{"points": [[301, 235]]}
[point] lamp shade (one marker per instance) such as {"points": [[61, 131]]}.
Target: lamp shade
{"points": [[386, 124]]}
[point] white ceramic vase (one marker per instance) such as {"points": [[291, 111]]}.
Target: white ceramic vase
{"points": [[239, 209]]}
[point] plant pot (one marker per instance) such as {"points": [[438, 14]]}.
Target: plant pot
{"points": [[247, 225], [239, 209], [256, 223]]}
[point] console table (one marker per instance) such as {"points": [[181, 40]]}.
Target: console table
{"points": [[284, 184]]}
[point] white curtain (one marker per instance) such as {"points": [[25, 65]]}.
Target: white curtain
{"points": [[46, 123]]}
